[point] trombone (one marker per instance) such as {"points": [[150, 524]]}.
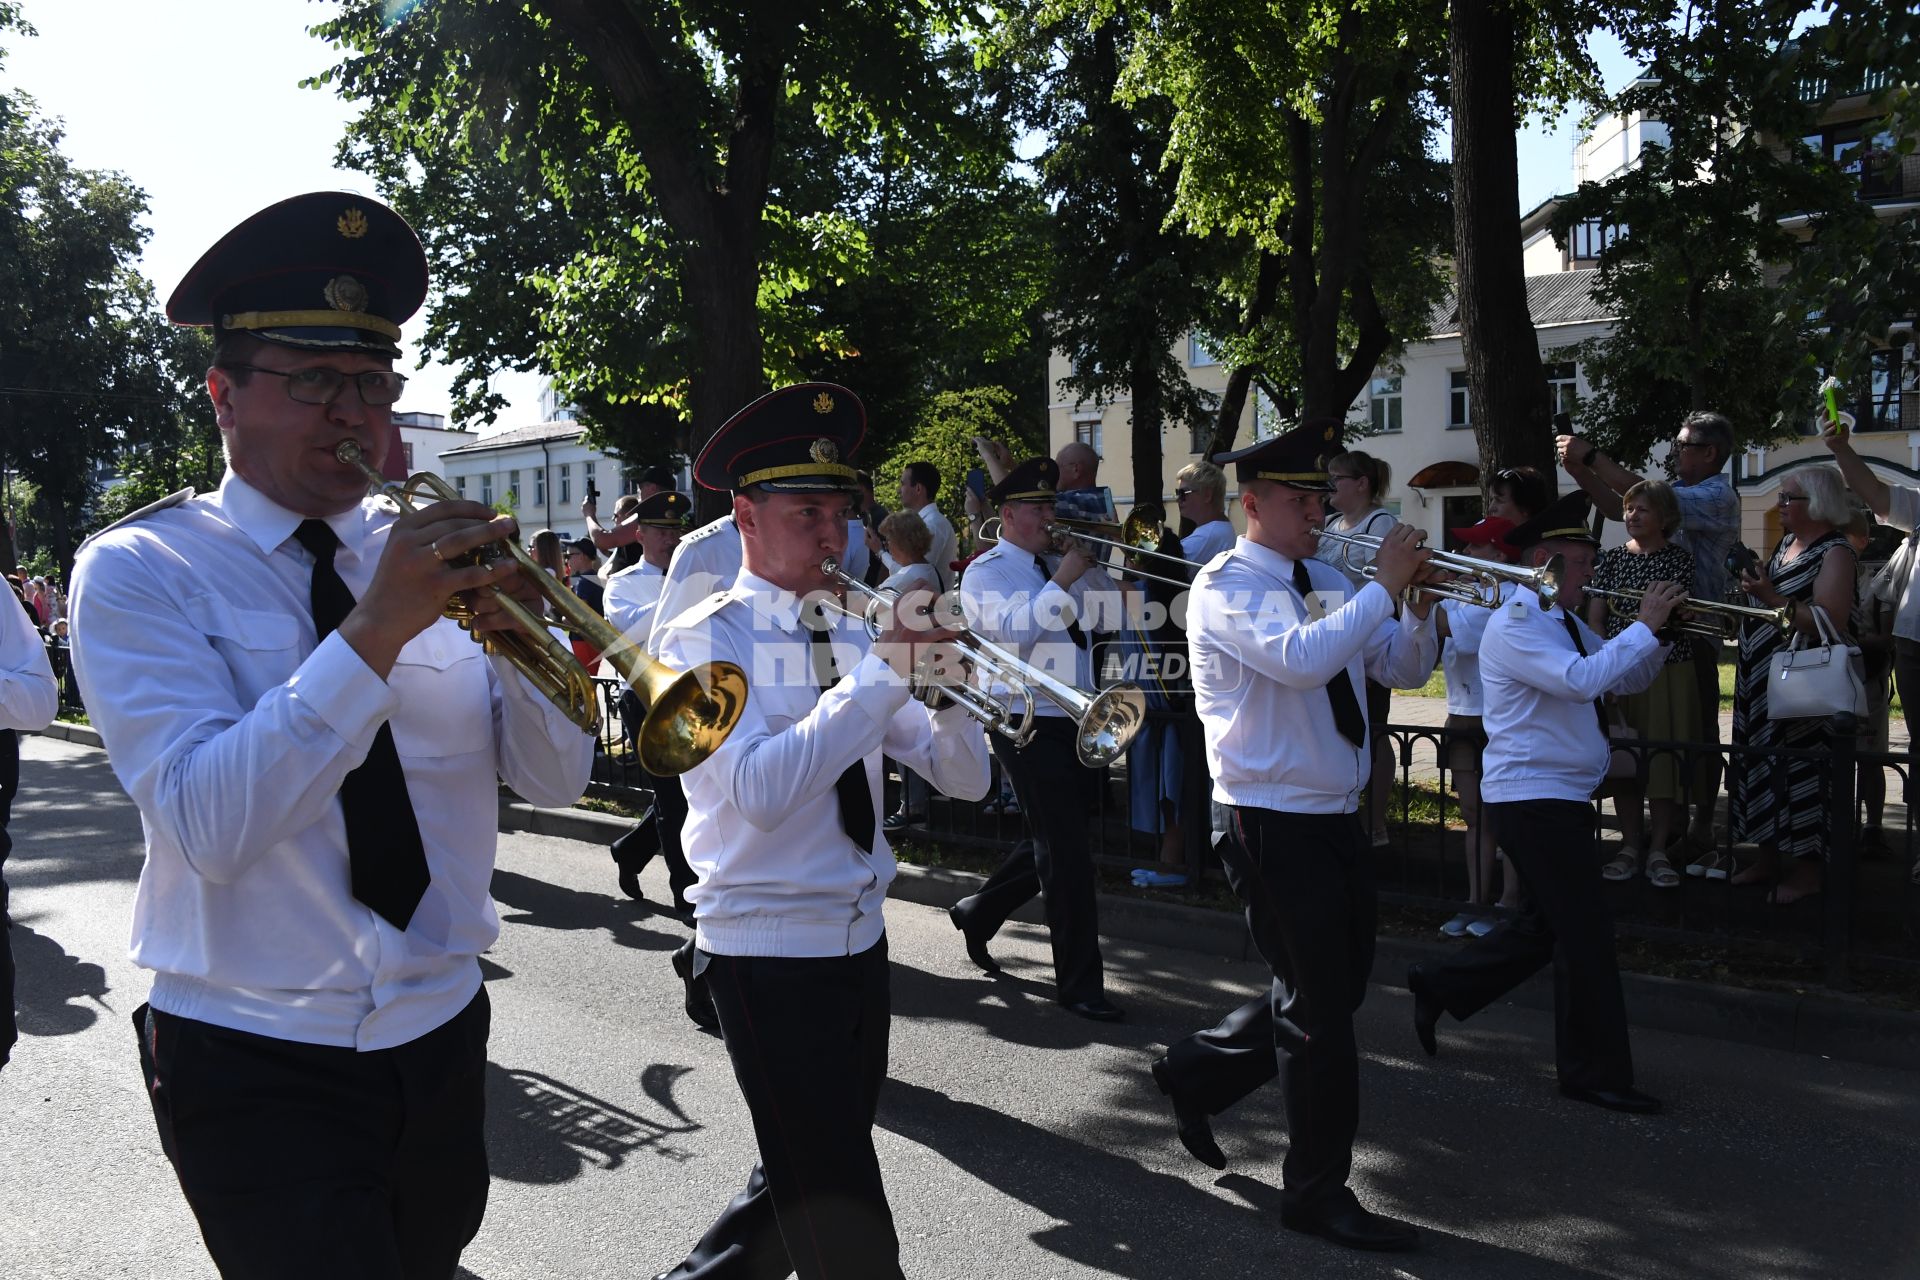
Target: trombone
{"points": [[689, 713], [1686, 615], [1138, 538], [1476, 582], [1107, 720]]}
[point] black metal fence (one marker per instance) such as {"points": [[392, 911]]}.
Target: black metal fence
{"points": [[1867, 914]]}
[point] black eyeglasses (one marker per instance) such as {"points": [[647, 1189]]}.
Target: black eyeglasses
{"points": [[1692, 444], [1787, 499], [1181, 495], [319, 385]]}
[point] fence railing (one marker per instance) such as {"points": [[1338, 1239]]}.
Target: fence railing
{"points": [[1868, 912]]}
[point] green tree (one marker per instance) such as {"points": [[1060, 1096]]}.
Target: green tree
{"points": [[1300, 135], [611, 195], [943, 435]]}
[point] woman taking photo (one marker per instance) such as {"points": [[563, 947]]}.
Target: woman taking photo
{"points": [[1812, 567], [1359, 490], [1669, 709]]}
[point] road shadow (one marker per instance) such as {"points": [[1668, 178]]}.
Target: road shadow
{"points": [[540, 1130], [72, 824], [51, 988], [537, 904]]}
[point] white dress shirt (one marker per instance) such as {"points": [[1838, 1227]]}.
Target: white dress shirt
{"points": [[194, 645], [1007, 600], [1543, 738], [1208, 540], [1460, 656], [631, 599], [29, 696], [706, 561], [912, 577], [1903, 512], [1260, 673], [779, 876]]}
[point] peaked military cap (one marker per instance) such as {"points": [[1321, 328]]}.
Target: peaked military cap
{"points": [[666, 509], [1296, 458], [799, 439], [1035, 480], [326, 271], [1565, 519]]}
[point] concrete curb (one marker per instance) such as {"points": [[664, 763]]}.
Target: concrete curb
{"points": [[83, 734], [1828, 1024]]}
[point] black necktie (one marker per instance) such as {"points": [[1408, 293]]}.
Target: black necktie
{"points": [[384, 855], [1346, 706], [1599, 707], [1074, 633], [856, 801]]}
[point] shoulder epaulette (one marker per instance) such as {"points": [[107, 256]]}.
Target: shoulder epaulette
{"points": [[171, 500]]}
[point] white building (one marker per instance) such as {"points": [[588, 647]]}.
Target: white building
{"points": [[541, 474], [425, 436]]}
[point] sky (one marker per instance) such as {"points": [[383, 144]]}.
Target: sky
{"points": [[144, 85]]}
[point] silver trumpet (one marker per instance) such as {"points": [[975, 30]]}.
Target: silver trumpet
{"points": [[1693, 617], [1138, 539], [1107, 720], [1475, 582]]}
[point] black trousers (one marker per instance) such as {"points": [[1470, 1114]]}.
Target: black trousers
{"points": [[808, 1039], [9, 786], [1563, 919], [1053, 787], [1312, 912], [305, 1160], [659, 833]]}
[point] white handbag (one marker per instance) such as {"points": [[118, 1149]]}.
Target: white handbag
{"points": [[1818, 680]]}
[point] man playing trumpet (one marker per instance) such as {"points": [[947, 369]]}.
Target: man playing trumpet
{"points": [[314, 750]]}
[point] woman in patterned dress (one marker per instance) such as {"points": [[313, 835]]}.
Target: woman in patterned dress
{"points": [[1813, 565], [1669, 709]]}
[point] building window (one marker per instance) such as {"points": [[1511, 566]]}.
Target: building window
{"points": [[1198, 357], [1087, 432], [1383, 403], [1881, 410], [513, 488], [406, 453], [1458, 413], [460, 485], [1202, 435], [566, 482], [1588, 240], [628, 484], [1562, 384], [486, 488], [539, 486]]}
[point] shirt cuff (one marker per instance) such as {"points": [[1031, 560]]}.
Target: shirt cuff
{"points": [[344, 691]]}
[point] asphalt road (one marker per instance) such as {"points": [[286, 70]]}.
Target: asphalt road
{"points": [[1017, 1141]]}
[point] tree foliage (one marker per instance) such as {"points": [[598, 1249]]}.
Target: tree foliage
{"points": [[943, 435], [1746, 263]]}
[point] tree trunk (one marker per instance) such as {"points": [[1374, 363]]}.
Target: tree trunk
{"points": [[1509, 406], [1148, 413], [721, 289]]}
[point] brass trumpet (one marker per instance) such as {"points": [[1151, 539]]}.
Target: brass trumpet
{"points": [[1107, 720], [1685, 617], [1482, 578], [1139, 537], [689, 714]]}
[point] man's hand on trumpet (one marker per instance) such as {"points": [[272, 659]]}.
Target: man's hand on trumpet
{"points": [[419, 570], [1402, 562], [1658, 602], [912, 636]]}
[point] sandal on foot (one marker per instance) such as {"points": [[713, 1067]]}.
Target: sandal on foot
{"points": [[1660, 871], [1713, 866], [1624, 864]]}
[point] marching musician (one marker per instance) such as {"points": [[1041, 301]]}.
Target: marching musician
{"points": [[315, 751], [1543, 673], [1281, 648], [631, 598], [784, 835], [1044, 607], [29, 699]]}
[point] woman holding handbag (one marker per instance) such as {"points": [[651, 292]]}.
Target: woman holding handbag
{"points": [[1812, 570]]}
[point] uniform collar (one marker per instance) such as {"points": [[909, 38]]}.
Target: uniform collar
{"points": [[269, 524], [1266, 557]]}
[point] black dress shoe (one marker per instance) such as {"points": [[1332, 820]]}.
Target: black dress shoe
{"points": [[1426, 1008], [630, 885], [976, 945], [1194, 1125], [1098, 1009], [1346, 1222], [1631, 1101], [699, 1002]]}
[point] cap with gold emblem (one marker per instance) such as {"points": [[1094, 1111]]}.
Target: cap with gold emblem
{"points": [[1035, 480], [326, 271], [1565, 520], [1296, 458], [665, 510], [799, 439]]}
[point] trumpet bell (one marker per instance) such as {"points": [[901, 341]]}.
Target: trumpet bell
{"points": [[689, 713], [1109, 723]]}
